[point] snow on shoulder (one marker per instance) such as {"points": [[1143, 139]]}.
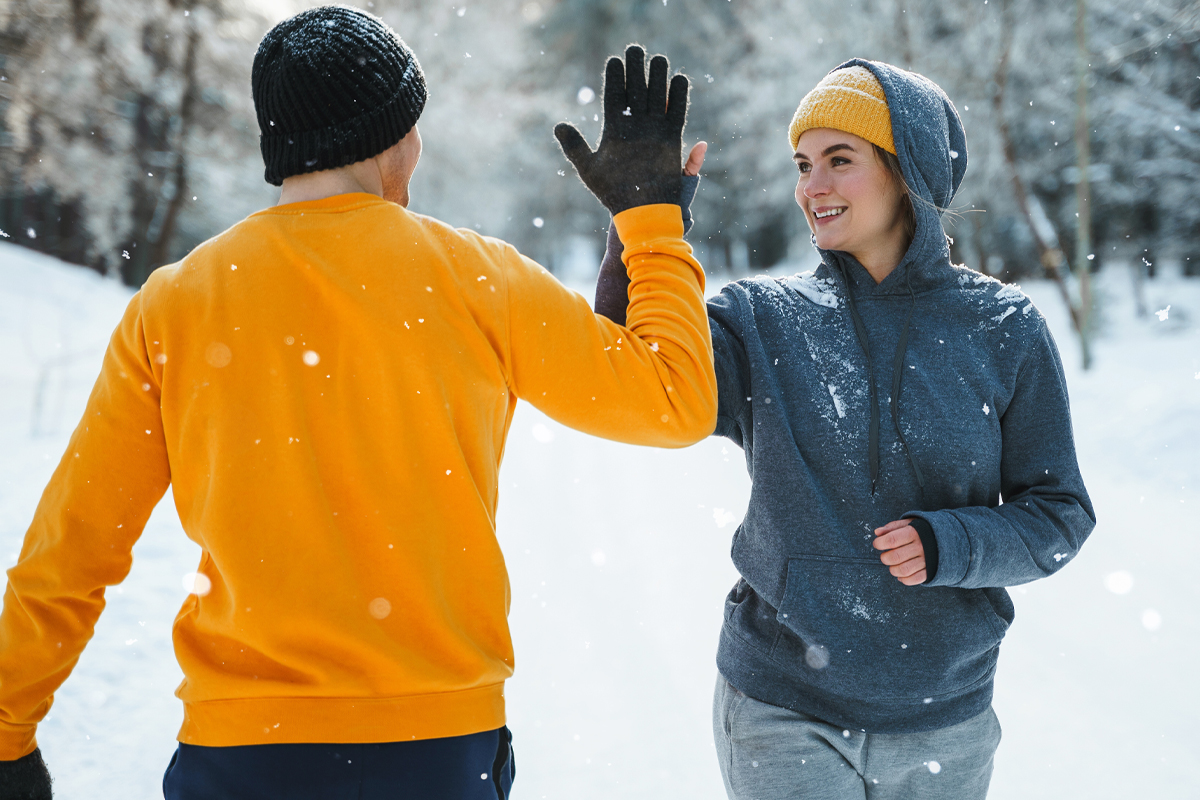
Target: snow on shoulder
{"points": [[996, 299], [818, 290]]}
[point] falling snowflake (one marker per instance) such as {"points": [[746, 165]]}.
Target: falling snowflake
{"points": [[1119, 582], [197, 583], [722, 517], [379, 608]]}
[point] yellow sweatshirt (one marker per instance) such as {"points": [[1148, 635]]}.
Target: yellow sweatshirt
{"points": [[328, 386]]}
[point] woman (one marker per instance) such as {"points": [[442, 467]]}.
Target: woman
{"points": [[906, 426]]}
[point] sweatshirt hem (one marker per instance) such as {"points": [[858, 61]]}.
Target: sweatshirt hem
{"points": [[342, 720], [754, 674]]}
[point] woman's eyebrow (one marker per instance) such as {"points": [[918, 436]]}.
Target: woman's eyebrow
{"points": [[831, 149]]}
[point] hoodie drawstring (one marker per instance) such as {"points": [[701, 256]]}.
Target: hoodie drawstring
{"points": [[873, 435], [897, 376]]}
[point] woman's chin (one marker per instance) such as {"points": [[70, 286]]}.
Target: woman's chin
{"points": [[827, 242]]}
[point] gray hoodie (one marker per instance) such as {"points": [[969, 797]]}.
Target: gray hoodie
{"points": [[973, 435]]}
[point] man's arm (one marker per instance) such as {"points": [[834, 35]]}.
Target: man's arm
{"points": [[612, 282], [112, 475], [650, 383]]}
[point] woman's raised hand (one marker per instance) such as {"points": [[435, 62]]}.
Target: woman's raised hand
{"points": [[695, 159]]}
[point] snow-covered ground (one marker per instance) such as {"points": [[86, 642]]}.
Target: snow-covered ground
{"points": [[619, 564]]}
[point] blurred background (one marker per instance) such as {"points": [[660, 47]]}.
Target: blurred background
{"points": [[127, 132]]}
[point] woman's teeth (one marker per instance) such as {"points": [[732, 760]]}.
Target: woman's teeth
{"points": [[831, 213]]}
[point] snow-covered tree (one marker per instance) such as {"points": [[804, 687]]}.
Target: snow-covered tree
{"points": [[115, 111], [115, 114]]}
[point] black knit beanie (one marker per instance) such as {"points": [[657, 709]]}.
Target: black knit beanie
{"points": [[332, 86]]}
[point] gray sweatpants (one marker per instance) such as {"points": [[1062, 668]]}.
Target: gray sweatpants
{"points": [[770, 753]]}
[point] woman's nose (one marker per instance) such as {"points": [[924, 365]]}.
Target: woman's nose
{"points": [[816, 185]]}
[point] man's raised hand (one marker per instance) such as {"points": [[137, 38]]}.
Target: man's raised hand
{"points": [[638, 159]]}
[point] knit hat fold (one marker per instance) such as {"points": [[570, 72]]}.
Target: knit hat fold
{"points": [[332, 86], [848, 99]]}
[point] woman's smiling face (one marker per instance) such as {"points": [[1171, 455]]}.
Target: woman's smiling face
{"points": [[850, 199]]}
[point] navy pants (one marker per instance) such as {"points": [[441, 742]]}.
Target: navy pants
{"points": [[475, 767]]}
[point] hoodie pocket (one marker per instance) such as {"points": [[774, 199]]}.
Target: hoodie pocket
{"points": [[853, 630]]}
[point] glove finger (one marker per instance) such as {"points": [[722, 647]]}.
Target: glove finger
{"points": [[635, 78], [677, 102], [656, 91], [615, 100], [573, 145]]}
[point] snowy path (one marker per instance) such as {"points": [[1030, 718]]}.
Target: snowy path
{"points": [[619, 565]]}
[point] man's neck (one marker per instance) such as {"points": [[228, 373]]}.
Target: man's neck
{"points": [[327, 183]]}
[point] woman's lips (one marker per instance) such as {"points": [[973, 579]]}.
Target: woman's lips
{"points": [[824, 216]]}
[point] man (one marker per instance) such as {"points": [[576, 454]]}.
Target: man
{"points": [[327, 386]]}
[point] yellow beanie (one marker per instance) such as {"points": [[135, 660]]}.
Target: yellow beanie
{"points": [[848, 100]]}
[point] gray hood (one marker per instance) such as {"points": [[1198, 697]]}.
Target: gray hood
{"points": [[932, 147]]}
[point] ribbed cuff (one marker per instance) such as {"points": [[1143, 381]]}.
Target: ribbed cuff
{"points": [[952, 543], [929, 543], [641, 224], [17, 742], [687, 193]]}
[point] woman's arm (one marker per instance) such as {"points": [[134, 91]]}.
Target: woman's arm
{"points": [[1046, 513], [732, 369]]}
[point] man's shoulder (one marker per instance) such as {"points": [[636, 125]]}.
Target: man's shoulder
{"points": [[169, 276], [461, 239]]}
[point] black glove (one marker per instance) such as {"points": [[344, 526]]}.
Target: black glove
{"points": [[25, 779], [612, 283], [641, 145]]}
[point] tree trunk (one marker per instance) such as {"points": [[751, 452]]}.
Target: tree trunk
{"points": [[1083, 193], [1048, 250], [161, 235]]}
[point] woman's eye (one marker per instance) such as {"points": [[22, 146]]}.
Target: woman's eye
{"points": [[804, 168], [837, 161]]}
